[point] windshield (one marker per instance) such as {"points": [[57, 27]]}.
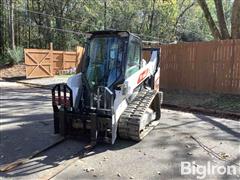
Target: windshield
{"points": [[104, 61]]}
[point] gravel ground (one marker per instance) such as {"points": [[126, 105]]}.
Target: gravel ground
{"points": [[13, 71], [17, 73], [27, 125]]}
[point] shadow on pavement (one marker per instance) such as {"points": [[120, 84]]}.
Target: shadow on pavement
{"points": [[27, 126], [14, 79], [219, 125]]}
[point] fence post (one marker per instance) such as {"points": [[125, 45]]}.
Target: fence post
{"points": [[79, 63], [79, 54], [232, 66], [51, 58], [63, 61], [51, 46]]}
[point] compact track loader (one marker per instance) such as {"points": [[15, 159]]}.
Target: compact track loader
{"points": [[115, 94]]}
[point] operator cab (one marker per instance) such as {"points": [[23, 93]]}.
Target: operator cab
{"points": [[111, 57]]}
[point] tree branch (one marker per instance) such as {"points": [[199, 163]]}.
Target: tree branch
{"points": [[152, 16], [235, 20], [181, 15], [215, 32], [221, 19]]}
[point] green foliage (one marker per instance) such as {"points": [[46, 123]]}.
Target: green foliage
{"points": [[15, 55], [71, 43], [150, 19], [4, 60], [193, 25]]}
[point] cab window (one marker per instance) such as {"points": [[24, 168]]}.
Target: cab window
{"points": [[133, 58]]}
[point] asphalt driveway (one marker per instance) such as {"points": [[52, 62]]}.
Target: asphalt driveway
{"points": [[27, 126]]}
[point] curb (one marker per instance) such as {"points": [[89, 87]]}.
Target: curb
{"points": [[210, 112]]}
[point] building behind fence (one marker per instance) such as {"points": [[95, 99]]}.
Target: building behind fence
{"points": [[203, 66]]}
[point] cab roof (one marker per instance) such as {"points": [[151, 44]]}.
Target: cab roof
{"points": [[109, 32], [106, 32]]}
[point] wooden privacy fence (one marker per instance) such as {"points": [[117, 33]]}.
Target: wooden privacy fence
{"points": [[203, 66], [48, 62]]}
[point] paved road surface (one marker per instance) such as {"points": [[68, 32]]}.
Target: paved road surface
{"points": [[26, 126]]}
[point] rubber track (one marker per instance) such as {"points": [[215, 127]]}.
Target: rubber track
{"points": [[130, 120]]}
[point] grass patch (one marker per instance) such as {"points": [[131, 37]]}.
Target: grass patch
{"points": [[213, 101]]}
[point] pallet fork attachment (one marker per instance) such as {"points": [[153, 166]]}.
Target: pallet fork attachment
{"points": [[61, 101]]}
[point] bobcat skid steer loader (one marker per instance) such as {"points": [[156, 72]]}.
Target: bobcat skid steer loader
{"points": [[115, 94]]}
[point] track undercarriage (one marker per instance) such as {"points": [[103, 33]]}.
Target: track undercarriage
{"points": [[141, 115]]}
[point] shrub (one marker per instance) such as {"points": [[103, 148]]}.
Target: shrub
{"points": [[15, 55], [4, 60]]}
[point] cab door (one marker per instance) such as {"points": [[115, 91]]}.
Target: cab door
{"points": [[133, 57]]}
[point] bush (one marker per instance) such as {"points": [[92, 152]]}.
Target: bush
{"points": [[15, 55], [4, 60]]}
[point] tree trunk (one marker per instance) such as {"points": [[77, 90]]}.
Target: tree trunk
{"points": [[1, 28], [48, 32], [142, 23], [152, 16], [12, 24], [39, 23], [29, 27], [105, 14], [221, 19], [215, 32], [236, 20]]}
